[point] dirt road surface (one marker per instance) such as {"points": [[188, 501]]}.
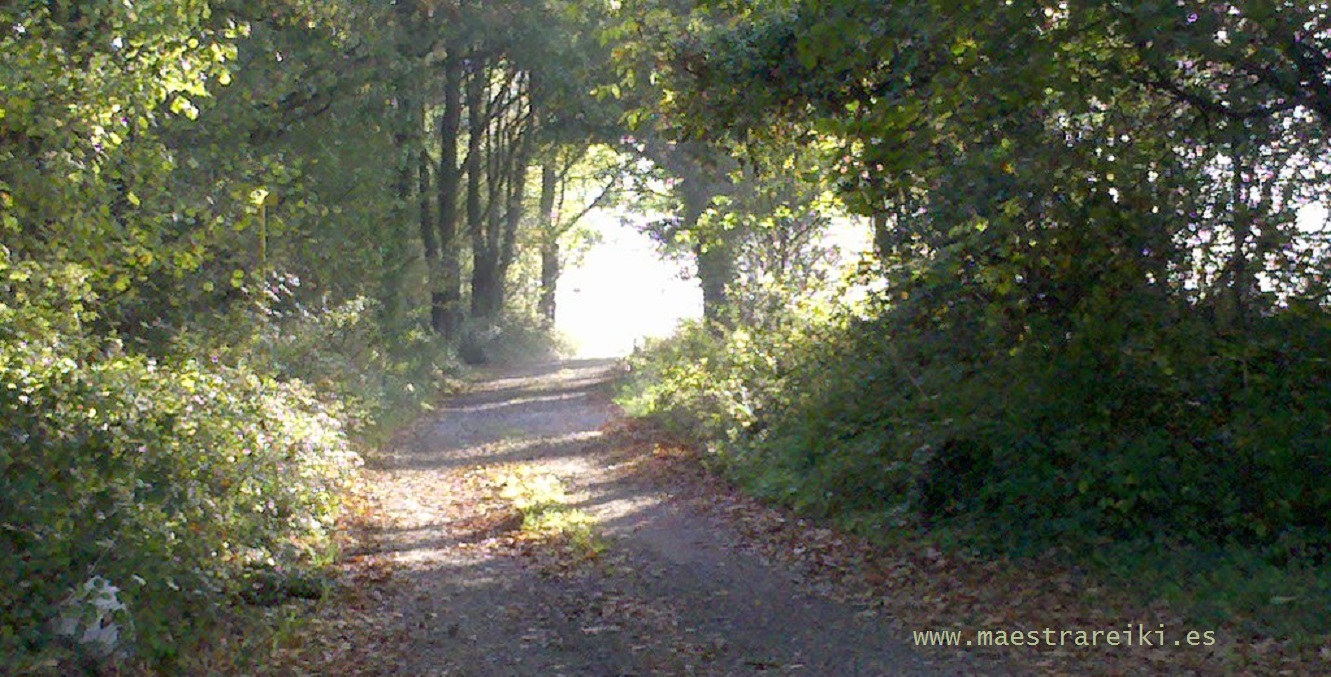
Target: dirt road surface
{"points": [[660, 587]]}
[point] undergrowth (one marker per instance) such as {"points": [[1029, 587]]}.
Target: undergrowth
{"points": [[543, 502], [1184, 463], [154, 495]]}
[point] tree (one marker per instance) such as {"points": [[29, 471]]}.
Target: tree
{"points": [[1086, 228], [700, 170], [177, 342], [569, 169], [921, 95], [512, 90]]}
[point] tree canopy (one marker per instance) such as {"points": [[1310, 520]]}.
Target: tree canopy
{"points": [[1098, 295]]}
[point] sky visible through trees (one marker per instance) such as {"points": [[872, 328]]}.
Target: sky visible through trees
{"points": [[621, 292]]}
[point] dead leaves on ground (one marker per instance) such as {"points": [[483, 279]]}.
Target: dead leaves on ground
{"points": [[919, 586], [924, 588], [347, 632]]}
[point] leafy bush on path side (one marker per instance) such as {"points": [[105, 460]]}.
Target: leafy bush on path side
{"points": [[173, 479], [1106, 441]]}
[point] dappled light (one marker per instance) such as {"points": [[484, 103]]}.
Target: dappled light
{"points": [[563, 542], [563, 337]]}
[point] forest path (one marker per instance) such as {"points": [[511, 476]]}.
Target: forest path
{"points": [[659, 589]]}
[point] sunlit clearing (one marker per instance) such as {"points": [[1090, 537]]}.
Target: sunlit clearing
{"points": [[622, 291]]}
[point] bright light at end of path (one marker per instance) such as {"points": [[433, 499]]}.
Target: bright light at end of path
{"points": [[621, 291]]}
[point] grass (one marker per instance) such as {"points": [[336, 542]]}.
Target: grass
{"points": [[1227, 585], [547, 515]]}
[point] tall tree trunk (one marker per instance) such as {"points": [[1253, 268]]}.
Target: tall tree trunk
{"points": [[395, 257], [882, 235], [508, 150], [485, 243], [712, 253], [478, 171], [449, 286], [716, 270], [429, 239], [703, 173], [517, 189], [549, 242]]}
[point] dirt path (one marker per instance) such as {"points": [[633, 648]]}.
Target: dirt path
{"points": [[660, 587]]}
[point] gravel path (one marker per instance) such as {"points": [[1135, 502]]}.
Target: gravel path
{"points": [[673, 592]]}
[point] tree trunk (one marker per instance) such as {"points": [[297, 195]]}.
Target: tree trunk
{"points": [[448, 304], [549, 242], [430, 240], [703, 174], [882, 235], [716, 269], [480, 176], [508, 149], [712, 254], [396, 257], [517, 191]]}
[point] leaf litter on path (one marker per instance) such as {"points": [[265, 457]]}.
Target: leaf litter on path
{"points": [[526, 529]]}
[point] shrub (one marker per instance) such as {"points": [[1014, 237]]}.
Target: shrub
{"points": [[340, 349], [1107, 429], [512, 338], [172, 480]]}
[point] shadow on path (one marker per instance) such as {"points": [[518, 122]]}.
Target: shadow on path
{"points": [[674, 593]]}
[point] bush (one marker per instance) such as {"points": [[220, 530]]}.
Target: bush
{"points": [[1106, 430], [1188, 462], [171, 480], [512, 338], [340, 349]]}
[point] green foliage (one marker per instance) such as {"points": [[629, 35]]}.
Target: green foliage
{"points": [[1168, 438], [512, 338], [210, 286], [345, 351], [175, 479], [1099, 324], [671, 383], [721, 389], [1222, 583], [1174, 433], [544, 504]]}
